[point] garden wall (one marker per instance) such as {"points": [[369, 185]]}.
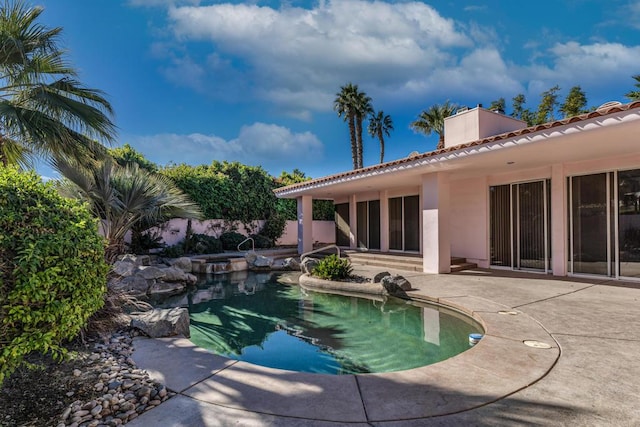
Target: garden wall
{"points": [[175, 230]]}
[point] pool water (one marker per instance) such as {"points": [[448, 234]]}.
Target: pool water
{"points": [[261, 319]]}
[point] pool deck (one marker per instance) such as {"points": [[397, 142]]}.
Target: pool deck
{"points": [[587, 376]]}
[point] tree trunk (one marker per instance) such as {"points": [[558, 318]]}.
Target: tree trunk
{"points": [[440, 142], [381, 138], [359, 140], [354, 142]]}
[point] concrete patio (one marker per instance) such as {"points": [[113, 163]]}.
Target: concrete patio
{"points": [[588, 376]]}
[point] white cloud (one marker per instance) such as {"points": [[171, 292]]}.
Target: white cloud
{"points": [[303, 55], [596, 64], [155, 3], [268, 145]]}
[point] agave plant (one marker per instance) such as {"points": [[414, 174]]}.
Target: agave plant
{"points": [[124, 198]]}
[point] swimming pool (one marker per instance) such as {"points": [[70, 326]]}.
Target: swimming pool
{"points": [[258, 318]]}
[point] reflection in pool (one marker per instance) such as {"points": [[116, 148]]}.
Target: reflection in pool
{"points": [[259, 319]]}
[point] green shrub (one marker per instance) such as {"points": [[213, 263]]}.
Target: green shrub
{"points": [[333, 268], [261, 242], [274, 226], [142, 243], [231, 239], [175, 251], [204, 244], [52, 268]]}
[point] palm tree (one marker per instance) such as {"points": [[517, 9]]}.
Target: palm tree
{"points": [[432, 120], [353, 106], [363, 108], [634, 95], [380, 124], [124, 198], [343, 105], [44, 110]]}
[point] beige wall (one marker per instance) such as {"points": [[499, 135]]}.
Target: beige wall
{"points": [[469, 220], [175, 231]]}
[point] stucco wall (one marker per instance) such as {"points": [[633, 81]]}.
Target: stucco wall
{"points": [[468, 219], [175, 230]]}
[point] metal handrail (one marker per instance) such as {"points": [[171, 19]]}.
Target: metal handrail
{"points": [[306, 254], [253, 244]]}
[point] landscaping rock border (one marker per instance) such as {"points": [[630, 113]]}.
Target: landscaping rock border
{"points": [[127, 390]]}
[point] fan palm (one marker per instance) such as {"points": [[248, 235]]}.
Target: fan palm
{"points": [[44, 110], [124, 198], [343, 105], [380, 124], [432, 120], [362, 107], [634, 95]]}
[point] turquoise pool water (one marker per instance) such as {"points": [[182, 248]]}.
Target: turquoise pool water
{"points": [[259, 319]]}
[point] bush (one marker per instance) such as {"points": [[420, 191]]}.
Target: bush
{"points": [[175, 251], [204, 244], [231, 239], [274, 226], [142, 243], [333, 268], [261, 242], [52, 268]]}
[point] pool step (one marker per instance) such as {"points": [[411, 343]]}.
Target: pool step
{"points": [[408, 262]]}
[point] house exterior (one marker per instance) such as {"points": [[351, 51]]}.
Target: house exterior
{"points": [[560, 198]]}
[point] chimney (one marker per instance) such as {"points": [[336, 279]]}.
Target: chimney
{"points": [[477, 123]]}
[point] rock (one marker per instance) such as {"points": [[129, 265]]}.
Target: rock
{"points": [[124, 268], [291, 264], [262, 262], [394, 284], [308, 264], [135, 285], [96, 410], [250, 257], [162, 288], [159, 323], [77, 372], [136, 259], [378, 277], [183, 263], [151, 272], [173, 274]]}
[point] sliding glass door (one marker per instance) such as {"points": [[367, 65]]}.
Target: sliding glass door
{"points": [[629, 223], [369, 224], [590, 224], [519, 225], [404, 223]]}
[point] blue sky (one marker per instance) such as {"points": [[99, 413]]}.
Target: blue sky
{"points": [[194, 81]]}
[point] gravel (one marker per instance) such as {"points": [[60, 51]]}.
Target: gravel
{"points": [[99, 386]]}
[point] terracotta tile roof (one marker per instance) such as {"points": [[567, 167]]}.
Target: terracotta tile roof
{"points": [[605, 110]]}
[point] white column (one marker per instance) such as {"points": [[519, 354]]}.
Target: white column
{"points": [[353, 221], [559, 208], [436, 243], [305, 224], [384, 221]]}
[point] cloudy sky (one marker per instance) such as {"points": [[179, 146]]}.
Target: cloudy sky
{"points": [[193, 81]]}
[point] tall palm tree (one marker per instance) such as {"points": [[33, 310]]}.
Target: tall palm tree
{"points": [[363, 108], [44, 110], [380, 124], [124, 198], [634, 95], [343, 105], [432, 120]]}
